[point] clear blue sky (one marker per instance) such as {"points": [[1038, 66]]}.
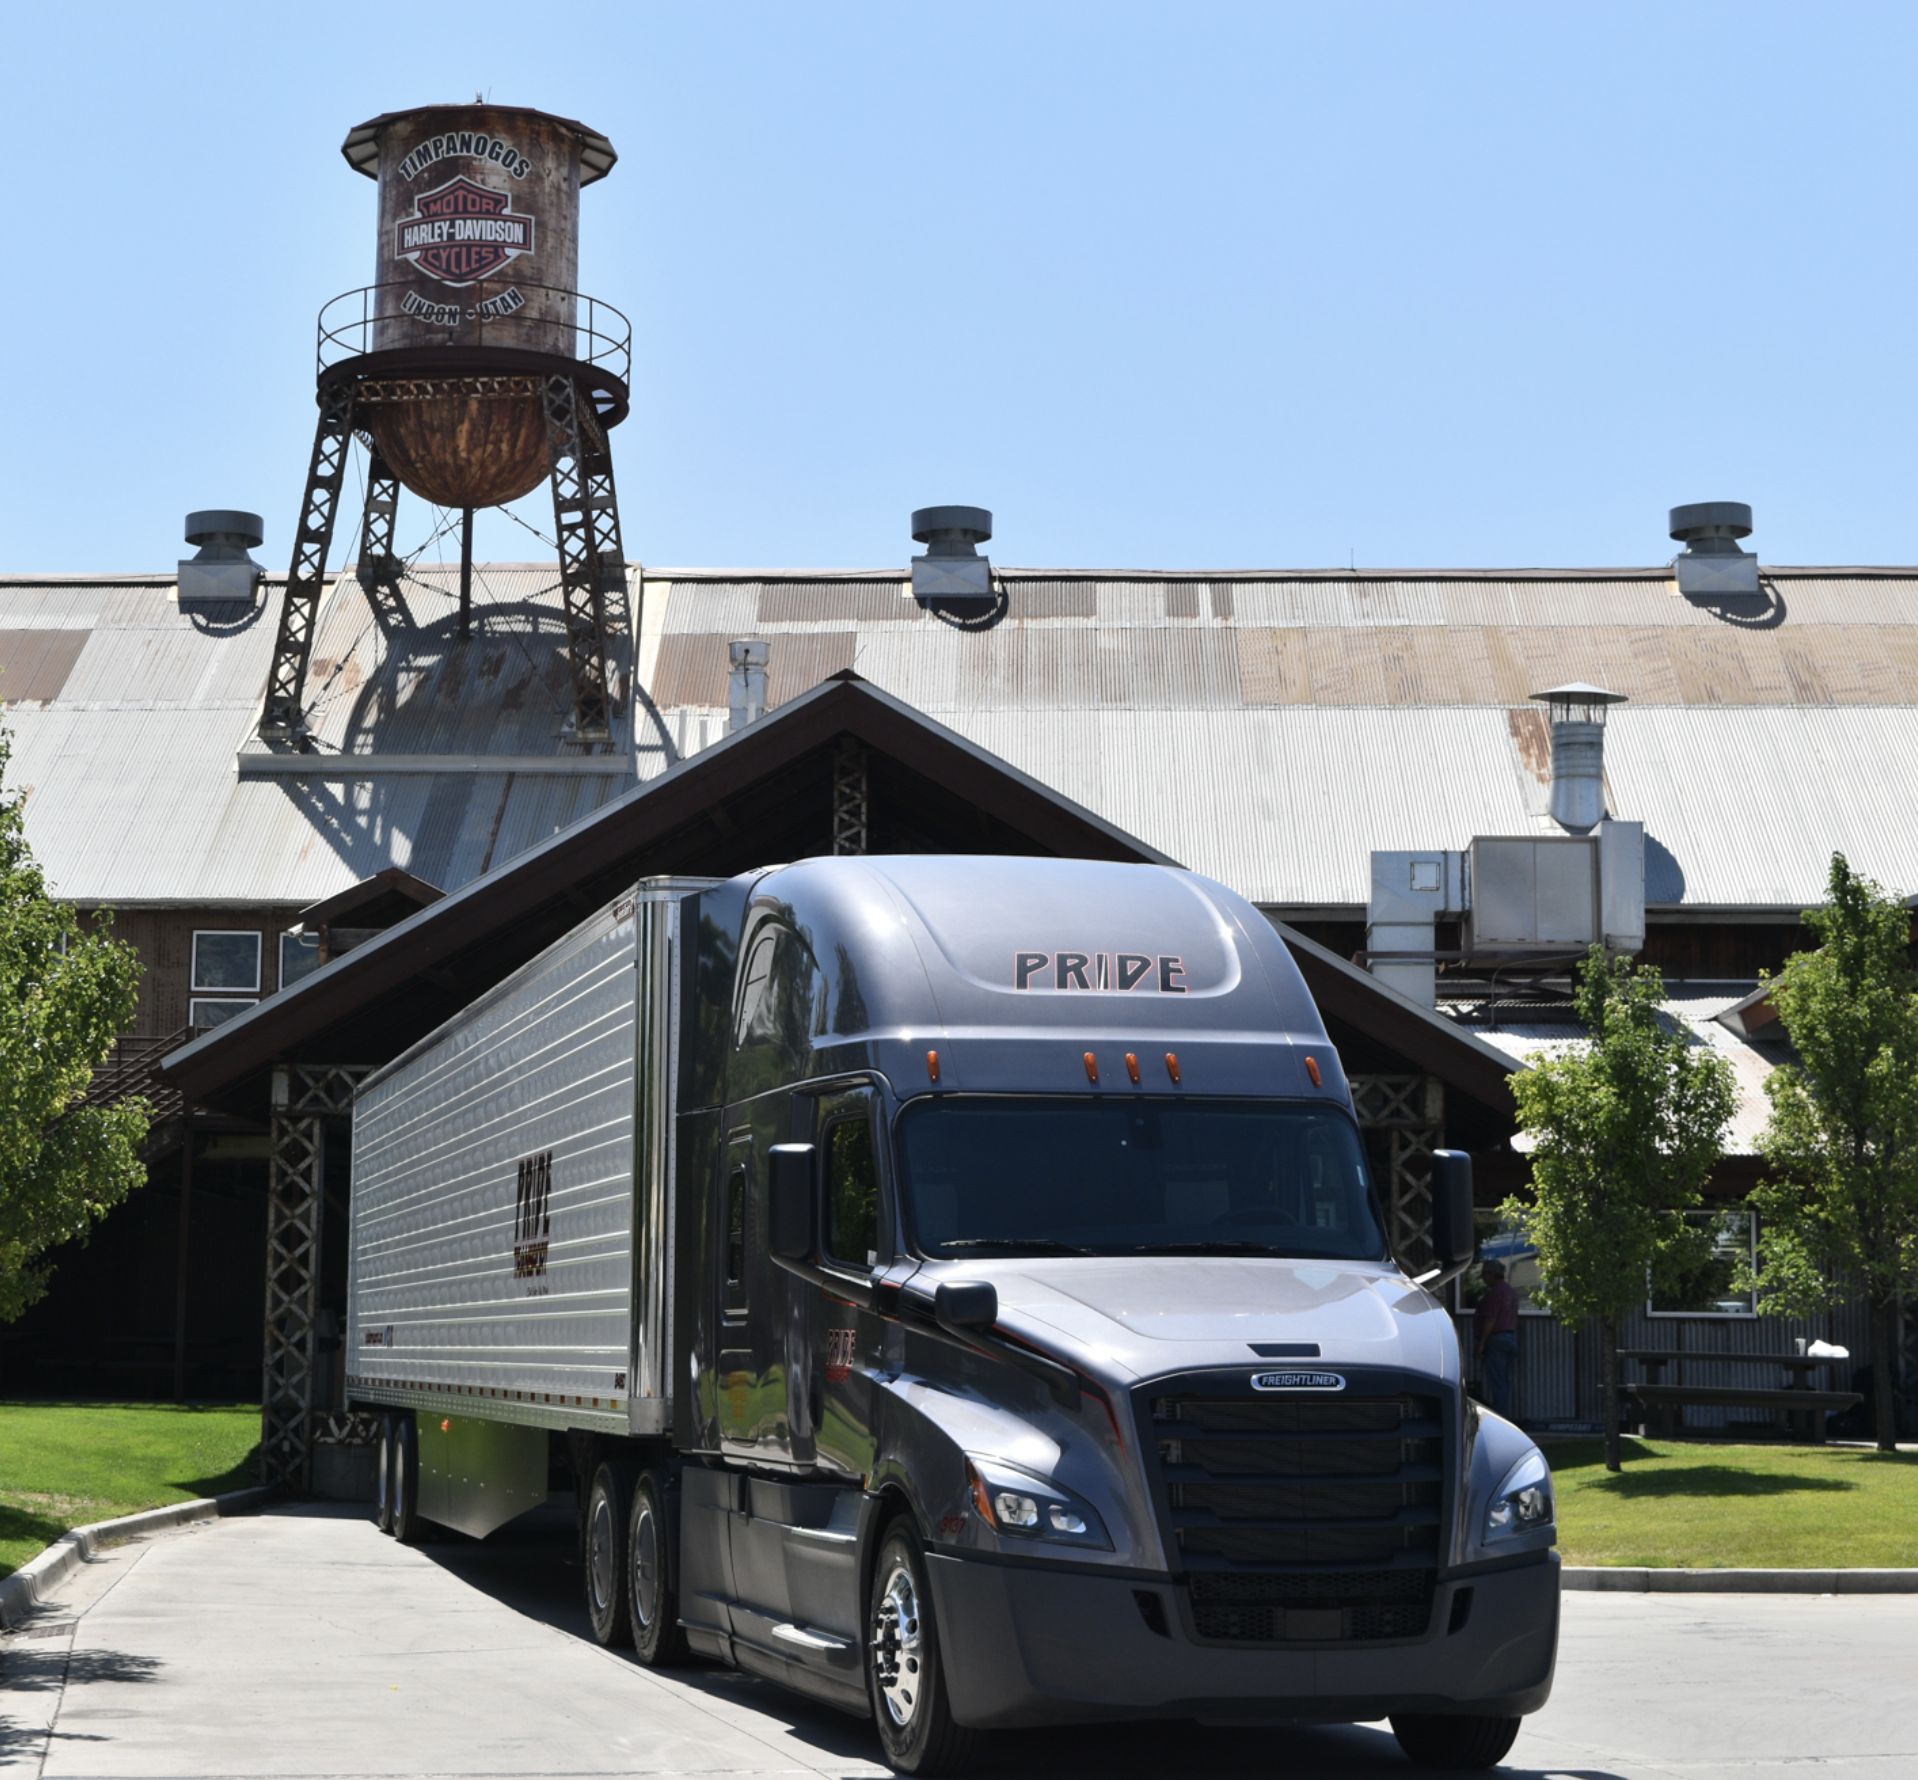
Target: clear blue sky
{"points": [[1185, 285]]}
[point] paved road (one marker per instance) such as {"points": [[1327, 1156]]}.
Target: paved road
{"points": [[301, 1643]]}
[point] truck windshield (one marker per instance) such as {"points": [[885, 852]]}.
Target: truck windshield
{"points": [[1131, 1177]]}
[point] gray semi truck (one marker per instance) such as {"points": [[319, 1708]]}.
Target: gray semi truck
{"points": [[954, 1289]]}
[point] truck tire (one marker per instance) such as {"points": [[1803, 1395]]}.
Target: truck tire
{"points": [[1455, 1742], [904, 1677], [651, 1599], [609, 1509], [404, 1493], [383, 1503]]}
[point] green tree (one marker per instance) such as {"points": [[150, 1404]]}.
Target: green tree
{"points": [[66, 994], [1624, 1130], [1839, 1204]]}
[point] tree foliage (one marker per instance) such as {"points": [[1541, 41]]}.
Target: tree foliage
{"points": [[1839, 1206], [1625, 1130], [66, 994]]}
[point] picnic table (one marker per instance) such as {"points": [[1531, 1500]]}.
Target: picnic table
{"points": [[1795, 1401]]}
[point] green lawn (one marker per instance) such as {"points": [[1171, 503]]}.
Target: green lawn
{"points": [[1708, 1506], [65, 1464]]}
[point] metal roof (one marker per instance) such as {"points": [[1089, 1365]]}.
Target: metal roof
{"points": [[1268, 728]]}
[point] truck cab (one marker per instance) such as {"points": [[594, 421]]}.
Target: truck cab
{"points": [[1038, 1353]]}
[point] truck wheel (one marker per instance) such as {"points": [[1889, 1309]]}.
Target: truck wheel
{"points": [[403, 1493], [608, 1513], [1454, 1741], [904, 1678], [383, 1504], [651, 1599]]}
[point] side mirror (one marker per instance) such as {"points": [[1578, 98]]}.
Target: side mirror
{"points": [[1454, 1231], [970, 1304], [789, 1199]]}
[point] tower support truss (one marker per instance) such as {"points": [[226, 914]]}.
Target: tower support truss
{"points": [[379, 568], [592, 562], [850, 808], [304, 1098], [283, 719]]}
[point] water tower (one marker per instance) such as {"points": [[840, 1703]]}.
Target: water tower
{"points": [[472, 369]]}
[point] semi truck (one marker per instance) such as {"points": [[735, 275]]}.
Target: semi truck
{"points": [[953, 1288]]}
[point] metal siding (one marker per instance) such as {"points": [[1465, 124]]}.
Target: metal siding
{"points": [[545, 1066]]}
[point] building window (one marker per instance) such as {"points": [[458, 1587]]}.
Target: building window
{"points": [[214, 1013], [1707, 1290], [226, 964], [299, 957]]}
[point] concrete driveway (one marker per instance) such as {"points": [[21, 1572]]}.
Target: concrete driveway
{"points": [[302, 1643]]}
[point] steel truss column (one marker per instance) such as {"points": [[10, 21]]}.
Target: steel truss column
{"points": [[849, 802], [378, 570], [304, 1098], [1410, 1112], [592, 562], [283, 719]]}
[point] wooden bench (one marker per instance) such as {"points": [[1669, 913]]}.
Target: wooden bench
{"points": [[1667, 1401]]}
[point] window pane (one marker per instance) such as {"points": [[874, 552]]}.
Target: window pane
{"points": [[214, 1013], [852, 1194], [1134, 1176], [1706, 1289], [736, 1227], [226, 961], [299, 957]]}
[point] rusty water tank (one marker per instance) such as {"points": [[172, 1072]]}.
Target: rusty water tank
{"points": [[474, 300]]}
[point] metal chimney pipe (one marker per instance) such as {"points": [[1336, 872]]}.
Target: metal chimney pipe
{"points": [[1578, 753], [747, 681]]}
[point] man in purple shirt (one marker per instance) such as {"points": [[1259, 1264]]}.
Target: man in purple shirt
{"points": [[1495, 1328]]}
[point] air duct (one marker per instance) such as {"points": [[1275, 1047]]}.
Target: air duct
{"points": [[221, 572], [1711, 561], [1578, 753], [747, 681], [952, 568]]}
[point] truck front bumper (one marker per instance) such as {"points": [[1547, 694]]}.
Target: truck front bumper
{"points": [[1032, 1646]]}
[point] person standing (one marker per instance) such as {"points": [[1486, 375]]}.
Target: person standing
{"points": [[1495, 1329]]}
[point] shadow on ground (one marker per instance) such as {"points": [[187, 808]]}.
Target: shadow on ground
{"points": [[532, 1567], [1714, 1480]]}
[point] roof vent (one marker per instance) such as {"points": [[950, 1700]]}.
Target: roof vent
{"points": [[952, 568], [1578, 753], [747, 681], [1711, 561], [222, 572]]}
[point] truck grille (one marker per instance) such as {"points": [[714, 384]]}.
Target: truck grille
{"points": [[1303, 1518]]}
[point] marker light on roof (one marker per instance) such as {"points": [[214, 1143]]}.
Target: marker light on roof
{"points": [[1092, 1069]]}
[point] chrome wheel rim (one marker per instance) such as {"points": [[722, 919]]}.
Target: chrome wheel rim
{"points": [[600, 1553], [898, 1645], [645, 1567]]}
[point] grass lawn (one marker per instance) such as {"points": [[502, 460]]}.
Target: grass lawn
{"points": [[65, 1464], [1709, 1507]]}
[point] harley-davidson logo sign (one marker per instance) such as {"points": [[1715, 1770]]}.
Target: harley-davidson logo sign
{"points": [[463, 231]]}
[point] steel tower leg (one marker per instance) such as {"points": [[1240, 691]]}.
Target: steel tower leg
{"points": [[379, 568], [592, 563], [283, 719]]}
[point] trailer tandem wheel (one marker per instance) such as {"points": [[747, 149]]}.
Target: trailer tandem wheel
{"points": [[403, 1493], [651, 1598], [608, 1515]]}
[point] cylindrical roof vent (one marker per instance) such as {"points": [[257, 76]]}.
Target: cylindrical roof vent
{"points": [[221, 572], [952, 568], [1711, 561], [1578, 753]]}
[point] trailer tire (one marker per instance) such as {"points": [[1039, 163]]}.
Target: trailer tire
{"points": [[905, 1677], [609, 1507], [383, 1504], [651, 1599], [1454, 1741], [409, 1528]]}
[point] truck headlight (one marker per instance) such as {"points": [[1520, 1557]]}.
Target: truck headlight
{"points": [[1523, 1502], [1023, 1506]]}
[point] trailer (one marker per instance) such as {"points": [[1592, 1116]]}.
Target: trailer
{"points": [[952, 1288]]}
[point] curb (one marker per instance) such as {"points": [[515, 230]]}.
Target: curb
{"points": [[20, 1593], [1620, 1580]]}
